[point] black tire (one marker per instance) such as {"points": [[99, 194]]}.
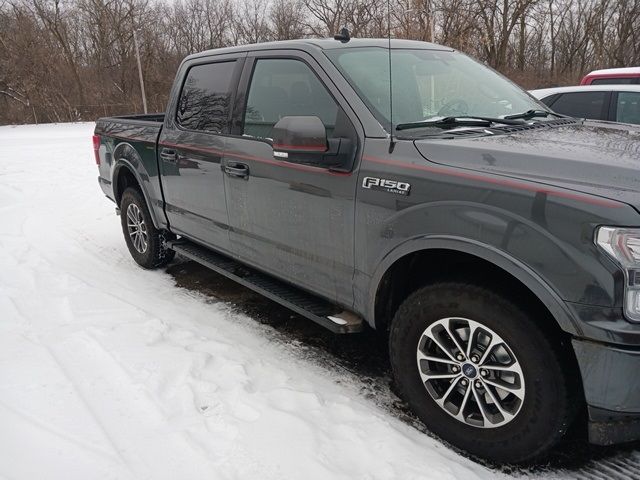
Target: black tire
{"points": [[549, 404], [154, 254]]}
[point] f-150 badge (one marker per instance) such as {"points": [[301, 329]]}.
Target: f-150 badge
{"points": [[391, 186]]}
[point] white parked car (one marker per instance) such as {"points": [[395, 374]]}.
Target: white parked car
{"points": [[612, 103]]}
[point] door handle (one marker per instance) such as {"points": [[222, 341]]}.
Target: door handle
{"points": [[169, 155], [239, 170]]}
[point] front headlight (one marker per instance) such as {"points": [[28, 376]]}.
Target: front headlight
{"points": [[623, 245]]}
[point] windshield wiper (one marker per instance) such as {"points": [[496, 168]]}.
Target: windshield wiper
{"points": [[461, 121], [529, 114]]}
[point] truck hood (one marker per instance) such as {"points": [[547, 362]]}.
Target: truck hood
{"points": [[592, 159]]}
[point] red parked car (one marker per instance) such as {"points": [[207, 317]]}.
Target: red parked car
{"points": [[610, 76]]}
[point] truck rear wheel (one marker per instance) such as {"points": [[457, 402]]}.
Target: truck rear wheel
{"points": [[145, 242], [480, 373]]}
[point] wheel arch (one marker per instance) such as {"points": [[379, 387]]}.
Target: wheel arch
{"points": [[125, 175], [429, 259]]}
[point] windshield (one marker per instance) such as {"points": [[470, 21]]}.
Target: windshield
{"points": [[428, 85]]}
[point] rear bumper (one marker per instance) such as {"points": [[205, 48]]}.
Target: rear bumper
{"points": [[611, 380]]}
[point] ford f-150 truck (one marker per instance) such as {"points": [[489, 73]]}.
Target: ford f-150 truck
{"points": [[495, 242]]}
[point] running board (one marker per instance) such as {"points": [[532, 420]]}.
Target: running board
{"points": [[316, 309]]}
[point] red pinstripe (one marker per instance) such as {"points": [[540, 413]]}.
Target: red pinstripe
{"points": [[284, 164], [499, 181]]}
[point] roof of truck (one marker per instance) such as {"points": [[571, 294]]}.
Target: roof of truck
{"points": [[324, 44]]}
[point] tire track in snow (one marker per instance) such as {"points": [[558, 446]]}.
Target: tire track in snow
{"points": [[620, 467], [51, 429], [134, 426], [25, 439]]}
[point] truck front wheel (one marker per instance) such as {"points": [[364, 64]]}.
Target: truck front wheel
{"points": [[145, 242], [480, 373]]}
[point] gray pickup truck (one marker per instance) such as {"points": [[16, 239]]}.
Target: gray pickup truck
{"points": [[495, 242]]}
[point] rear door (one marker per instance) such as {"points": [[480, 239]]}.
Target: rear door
{"points": [[191, 147], [292, 217]]}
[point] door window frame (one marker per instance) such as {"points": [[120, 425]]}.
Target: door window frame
{"points": [[171, 121], [245, 84], [242, 94]]}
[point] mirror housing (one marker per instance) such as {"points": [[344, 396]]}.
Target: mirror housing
{"points": [[299, 134]]}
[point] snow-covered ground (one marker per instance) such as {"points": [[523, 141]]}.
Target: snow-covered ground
{"points": [[108, 371]]}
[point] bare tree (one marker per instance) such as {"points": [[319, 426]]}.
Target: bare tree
{"points": [[458, 24], [287, 18], [326, 16], [56, 21], [74, 60], [250, 22], [499, 19]]}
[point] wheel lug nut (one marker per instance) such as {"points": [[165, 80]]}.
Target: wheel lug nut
{"points": [[460, 357], [478, 384], [474, 358], [455, 368], [484, 373], [464, 382]]}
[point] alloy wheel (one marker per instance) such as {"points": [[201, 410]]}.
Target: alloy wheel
{"points": [[137, 228], [470, 372]]}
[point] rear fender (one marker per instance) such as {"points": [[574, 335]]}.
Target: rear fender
{"points": [[126, 157]]}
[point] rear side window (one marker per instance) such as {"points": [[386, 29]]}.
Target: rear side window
{"points": [[628, 108], [205, 99], [286, 87], [581, 104], [613, 81]]}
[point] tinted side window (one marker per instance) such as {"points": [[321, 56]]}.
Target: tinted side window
{"points": [[628, 110], [612, 81], [284, 87], [580, 105], [206, 96], [548, 101]]}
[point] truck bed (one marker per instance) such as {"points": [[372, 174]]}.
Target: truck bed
{"points": [[143, 128], [133, 139]]}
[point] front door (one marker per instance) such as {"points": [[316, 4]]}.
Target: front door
{"points": [[190, 150], [293, 218]]}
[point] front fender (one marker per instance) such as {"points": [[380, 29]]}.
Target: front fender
{"points": [[538, 286]]}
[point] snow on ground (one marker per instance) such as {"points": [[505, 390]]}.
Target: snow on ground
{"points": [[108, 371]]}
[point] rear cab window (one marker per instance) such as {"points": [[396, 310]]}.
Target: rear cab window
{"points": [[205, 100]]}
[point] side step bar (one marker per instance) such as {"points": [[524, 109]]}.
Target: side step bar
{"points": [[316, 309]]}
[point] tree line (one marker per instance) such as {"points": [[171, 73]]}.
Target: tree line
{"points": [[68, 60]]}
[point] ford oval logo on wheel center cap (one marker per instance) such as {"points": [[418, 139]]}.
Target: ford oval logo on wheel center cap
{"points": [[469, 370]]}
